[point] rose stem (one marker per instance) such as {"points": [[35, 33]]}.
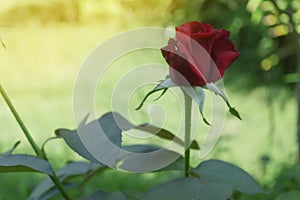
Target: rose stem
{"points": [[33, 144], [20, 122], [187, 135]]}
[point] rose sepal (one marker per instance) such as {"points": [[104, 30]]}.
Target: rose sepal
{"points": [[196, 93], [215, 89], [162, 86]]}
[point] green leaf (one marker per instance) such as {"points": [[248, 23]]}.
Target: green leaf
{"points": [[125, 125], [9, 152], [239, 179], [105, 196], [109, 124], [190, 188], [47, 189], [74, 142], [127, 159], [83, 122], [177, 165], [99, 131], [289, 195], [162, 133], [218, 180], [214, 88], [112, 124], [24, 163], [141, 148], [77, 168], [164, 85], [152, 159], [50, 192]]}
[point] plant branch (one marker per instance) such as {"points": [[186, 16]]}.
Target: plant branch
{"points": [[187, 135], [33, 144], [59, 186]]}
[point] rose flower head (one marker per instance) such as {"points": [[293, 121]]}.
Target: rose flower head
{"points": [[199, 54]]}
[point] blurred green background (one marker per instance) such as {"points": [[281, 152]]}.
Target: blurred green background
{"points": [[47, 41]]}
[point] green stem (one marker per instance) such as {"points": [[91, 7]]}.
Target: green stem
{"points": [[60, 186], [33, 144], [20, 122], [187, 136]]}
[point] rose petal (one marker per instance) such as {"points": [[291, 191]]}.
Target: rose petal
{"points": [[206, 40], [194, 27], [223, 51], [198, 63], [199, 53], [182, 70], [183, 73], [201, 33]]}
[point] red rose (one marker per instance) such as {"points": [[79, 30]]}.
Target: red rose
{"points": [[190, 55]]}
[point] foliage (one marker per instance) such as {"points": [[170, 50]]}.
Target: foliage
{"points": [[212, 179], [214, 174], [269, 59]]}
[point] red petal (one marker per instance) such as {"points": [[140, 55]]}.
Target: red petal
{"points": [[206, 40], [182, 70], [223, 51], [194, 27], [196, 32]]}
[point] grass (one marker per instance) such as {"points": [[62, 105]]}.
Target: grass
{"points": [[39, 69]]}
